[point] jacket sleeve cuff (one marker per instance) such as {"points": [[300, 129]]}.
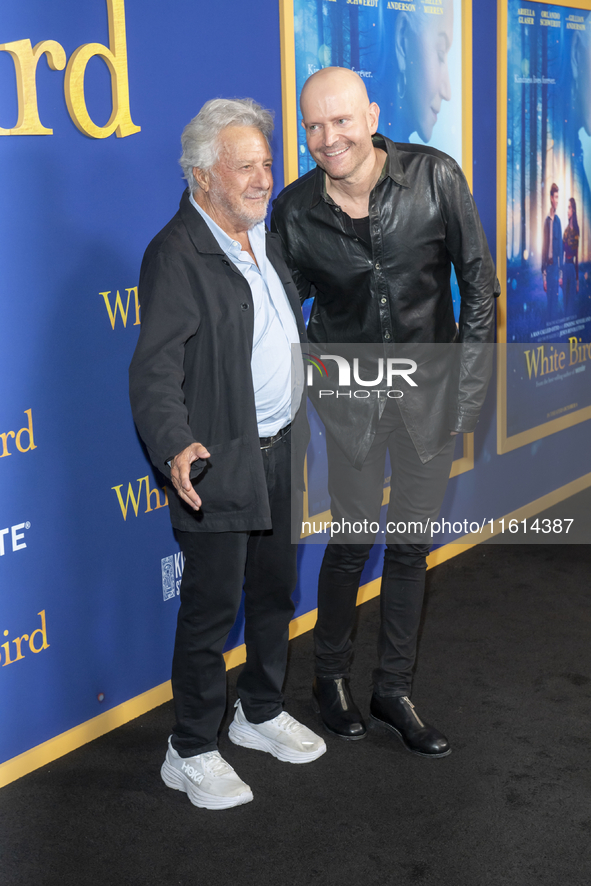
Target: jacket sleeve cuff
{"points": [[168, 450], [462, 422]]}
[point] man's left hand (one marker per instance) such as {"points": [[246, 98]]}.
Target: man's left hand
{"points": [[180, 470]]}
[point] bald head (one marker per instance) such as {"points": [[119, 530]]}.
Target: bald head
{"points": [[334, 82], [339, 120]]}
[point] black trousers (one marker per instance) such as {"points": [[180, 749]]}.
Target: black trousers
{"points": [[416, 494], [217, 564]]}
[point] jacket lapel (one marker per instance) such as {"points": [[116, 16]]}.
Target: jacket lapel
{"points": [[201, 237]]}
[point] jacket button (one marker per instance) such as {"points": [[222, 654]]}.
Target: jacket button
{"points": [[244, 305], [387, 336], [378, 266], [337, 209], [383, 300], [225, 262]]}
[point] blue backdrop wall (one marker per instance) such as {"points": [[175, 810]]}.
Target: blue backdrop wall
{"points": [[89, 567], [78, 213]]}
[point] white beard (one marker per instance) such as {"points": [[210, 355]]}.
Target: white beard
{"points": [[238, 211]]}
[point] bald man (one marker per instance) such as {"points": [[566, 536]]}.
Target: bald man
{"points": [[371, 234]]}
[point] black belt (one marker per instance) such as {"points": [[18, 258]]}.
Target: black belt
{"points": [[267, 442]]}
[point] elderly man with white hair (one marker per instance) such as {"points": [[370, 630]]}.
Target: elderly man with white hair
{"points": [[211, 394]]}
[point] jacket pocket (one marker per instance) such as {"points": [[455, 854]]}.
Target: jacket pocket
{"points": [[226, 484]]}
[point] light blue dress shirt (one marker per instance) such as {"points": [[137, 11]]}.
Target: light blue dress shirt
{"points": [[277, 390]]}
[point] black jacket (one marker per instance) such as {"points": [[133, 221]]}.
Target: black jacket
{"points": [[422, 220], [190, 377]]}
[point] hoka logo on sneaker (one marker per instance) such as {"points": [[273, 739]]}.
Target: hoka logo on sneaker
{"points": [[195, 776]]}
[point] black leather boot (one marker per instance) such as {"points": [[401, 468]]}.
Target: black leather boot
{"points": [[399, 715], [332, 699]]}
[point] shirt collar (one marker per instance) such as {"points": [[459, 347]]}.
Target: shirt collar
{"points": [[392, 169]]}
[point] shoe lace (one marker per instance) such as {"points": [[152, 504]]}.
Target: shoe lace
{"points": [[215, 763], [287, 723]]}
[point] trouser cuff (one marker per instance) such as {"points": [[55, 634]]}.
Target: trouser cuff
{"points": [[392, 693], [257, 718], [193, 751], [332, 675]]}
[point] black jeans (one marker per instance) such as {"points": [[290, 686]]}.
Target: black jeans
{"points": [[217, 564], [416, 493]]}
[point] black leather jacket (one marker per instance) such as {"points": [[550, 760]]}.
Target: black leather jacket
{"points": [[422, 220]]}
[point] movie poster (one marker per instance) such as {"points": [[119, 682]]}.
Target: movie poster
{"points": [[548, 235], [410, 56], [408, 53]]}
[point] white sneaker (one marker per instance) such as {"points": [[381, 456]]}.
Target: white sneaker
{"points": [[282, 736], [206, 779]]}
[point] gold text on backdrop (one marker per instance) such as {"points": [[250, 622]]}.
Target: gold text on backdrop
{"points": [[26, 58]]}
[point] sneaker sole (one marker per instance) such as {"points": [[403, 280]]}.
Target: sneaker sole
{"points": [[249, 738], [174, 779], [410, 750]]}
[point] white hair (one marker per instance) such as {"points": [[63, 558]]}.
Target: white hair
{"points": [[200, 138]]}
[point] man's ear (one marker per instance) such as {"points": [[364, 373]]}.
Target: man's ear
{"points": [[202, 178], [373, 117], [400, 40]]}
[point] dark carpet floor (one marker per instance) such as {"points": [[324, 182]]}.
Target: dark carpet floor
{"points": [[504, 669]]}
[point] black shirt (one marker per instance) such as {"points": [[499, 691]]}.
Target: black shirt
{"points": [[361, 228]]}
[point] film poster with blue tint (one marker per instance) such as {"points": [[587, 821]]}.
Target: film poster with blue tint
{"points": [[548, 211], [409, 55]]}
